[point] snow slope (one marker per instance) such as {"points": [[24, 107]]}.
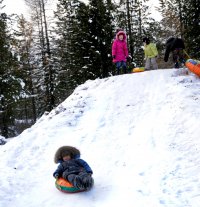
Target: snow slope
{"points": [[139, 132]]}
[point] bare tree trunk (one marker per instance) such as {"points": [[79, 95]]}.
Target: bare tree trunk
{"points": [[51, 99], [129, 28], [40, 13], [180, 18], [3, 119]]}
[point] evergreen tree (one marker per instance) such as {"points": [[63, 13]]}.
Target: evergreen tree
{"points": [[134, 16], [72, 45], [43, 57], [181, 19], [10, 81], [24, 41], [191, 27], [172, 19], [101, 27]]}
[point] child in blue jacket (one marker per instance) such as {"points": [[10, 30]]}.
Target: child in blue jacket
{"points": [[72, 168]]}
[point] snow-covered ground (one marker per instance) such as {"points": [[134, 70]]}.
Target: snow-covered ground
{"points": [[139, 132]]}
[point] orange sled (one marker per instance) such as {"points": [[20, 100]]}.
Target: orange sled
{"points": [[66, 187], [138, 69], [193, 66]]}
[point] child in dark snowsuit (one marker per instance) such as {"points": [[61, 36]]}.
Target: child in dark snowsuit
{"points": [[72, 168], [176, 46]]}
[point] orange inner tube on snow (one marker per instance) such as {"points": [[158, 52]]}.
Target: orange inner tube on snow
{"points": [[193, 66], [66, 187], [138, 69]]}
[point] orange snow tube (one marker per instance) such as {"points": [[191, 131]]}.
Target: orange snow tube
{"points": [[66, 187], [138, 69], [193, 66]]}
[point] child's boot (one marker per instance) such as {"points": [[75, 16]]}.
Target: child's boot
{"points": [[88, 182], [78, 183]]}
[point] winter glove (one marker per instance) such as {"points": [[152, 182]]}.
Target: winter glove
{"points": [[56, 176], [128, 58]]}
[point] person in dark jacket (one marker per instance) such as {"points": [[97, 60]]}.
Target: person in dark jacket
{"points": [[176, 46], [72, 168]]}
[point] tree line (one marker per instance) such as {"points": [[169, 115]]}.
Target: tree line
{"points": [[43, 59]]}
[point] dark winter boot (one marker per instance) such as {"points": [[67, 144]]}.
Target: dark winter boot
{"points": [[124, 70], [88, 182], [77, 183], [176, 65]]}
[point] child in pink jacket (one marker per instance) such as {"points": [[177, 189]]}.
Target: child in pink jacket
{"points": [[120, 51]]}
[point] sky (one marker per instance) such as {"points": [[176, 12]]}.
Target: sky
{"points": [[19, 7], [139, 133], [15, 6]]}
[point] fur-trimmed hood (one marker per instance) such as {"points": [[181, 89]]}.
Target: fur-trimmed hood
{"points": [[119, 48], [62, 151], [121, 33]]}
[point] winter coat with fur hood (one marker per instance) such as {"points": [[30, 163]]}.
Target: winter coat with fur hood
{"points": [[119, 48], [73, 166]]}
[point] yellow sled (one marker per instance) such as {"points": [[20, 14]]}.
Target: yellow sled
{"points": [[138, 69]]}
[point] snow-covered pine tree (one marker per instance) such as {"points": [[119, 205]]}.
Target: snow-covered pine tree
{"points": [[43, 64], [171, 21], [181, 19], [72, 45], [191, 27], [135, 18], [10, 80], [27, 109], [101, 26]]}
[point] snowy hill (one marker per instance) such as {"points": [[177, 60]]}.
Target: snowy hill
{"points": [[139, 132]]}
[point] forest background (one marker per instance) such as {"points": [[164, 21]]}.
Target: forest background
{"points": [[44, 57]]}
